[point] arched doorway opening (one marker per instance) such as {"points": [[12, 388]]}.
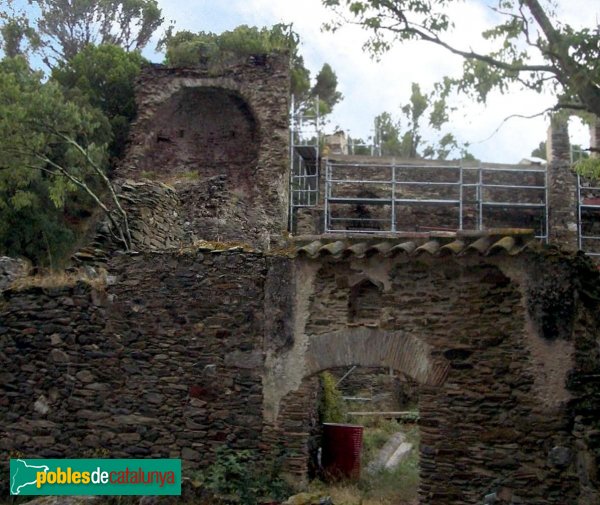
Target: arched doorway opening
{"points": [[297, 420]]}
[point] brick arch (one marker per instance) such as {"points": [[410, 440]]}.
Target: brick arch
{"points": [[371, 348], [296, 404]]}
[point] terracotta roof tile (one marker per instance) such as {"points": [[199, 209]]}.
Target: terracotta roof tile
{"points": [[485, 243]]}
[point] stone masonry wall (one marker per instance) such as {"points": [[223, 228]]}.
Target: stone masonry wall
{"points": [[155, 223], [166, 362], [503, 424], [562, 188], [220, 137], [185, 352]]}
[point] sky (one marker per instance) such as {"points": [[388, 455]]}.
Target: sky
{"points": [[370, 87]]}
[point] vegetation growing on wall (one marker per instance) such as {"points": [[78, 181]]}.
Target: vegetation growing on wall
{"points": [[238, 473], [185, 48], [331, 407]]}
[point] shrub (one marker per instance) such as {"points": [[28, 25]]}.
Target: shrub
{"points": [[331, 408], [240, 473]]}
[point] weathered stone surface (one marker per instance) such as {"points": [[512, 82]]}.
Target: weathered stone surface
{"points": [[221, 135], [12, 269], [162, 368], [560, 456], [562, 188], [41, 405], [386, 452]]}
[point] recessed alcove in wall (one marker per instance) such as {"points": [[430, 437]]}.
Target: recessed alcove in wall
{"points": [[364, 303], [202, 132]]}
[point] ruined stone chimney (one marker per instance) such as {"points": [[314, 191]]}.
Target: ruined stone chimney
{"points": [[562, 188]]}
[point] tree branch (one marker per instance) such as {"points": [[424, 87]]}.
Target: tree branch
{"points": [[513, 116], [60, 170], [426, 35], [104, 178]]}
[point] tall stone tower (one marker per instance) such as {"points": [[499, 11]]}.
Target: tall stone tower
{"points": [[219, 138]]}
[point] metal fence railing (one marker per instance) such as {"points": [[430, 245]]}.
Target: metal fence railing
{"points": [[304, 157], [372, 198], [588, 214]]}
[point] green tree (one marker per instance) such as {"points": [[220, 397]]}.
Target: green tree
{"points": [[540, 150], [578, 152], [325, 89], [64, 27], [16, 36], [331, 406], [53, 149], [388, 131], [103, 77], [408, 142], [531, 47]]}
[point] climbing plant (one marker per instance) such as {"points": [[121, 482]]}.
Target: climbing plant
{"points": [[331, 407]]}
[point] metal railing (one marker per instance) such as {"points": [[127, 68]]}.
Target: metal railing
{"points": [[537, 201], [588, 212], [304, 158], [304, 182], [388, 187]]}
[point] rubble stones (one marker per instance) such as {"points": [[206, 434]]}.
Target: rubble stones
{"points": [[12, 269]]}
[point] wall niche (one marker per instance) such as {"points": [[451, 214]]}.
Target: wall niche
{"points": [[364, 304]]}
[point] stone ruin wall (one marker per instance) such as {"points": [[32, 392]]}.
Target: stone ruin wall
{"points": [[219, 137], [502, 420], [165, 362], [175, 356], [171, 360]]}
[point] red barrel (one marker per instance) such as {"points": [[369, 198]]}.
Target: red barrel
{"points": [[340, 455]]}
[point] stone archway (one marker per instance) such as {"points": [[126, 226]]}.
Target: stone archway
{"points": [[360, 346], [290, 383], [371, 348]]}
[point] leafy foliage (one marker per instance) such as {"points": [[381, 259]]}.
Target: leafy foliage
{"points": [[325, 89], [238, 473], [65, 27], [17, 37], [32, 201], [588, 167], [54, 160], [103, 77], [530, 47], [331, 407], [540, 150], [408, 142], [185, 48]]}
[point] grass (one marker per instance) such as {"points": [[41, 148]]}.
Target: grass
{"points": [[56, 280], [386, 487]]}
